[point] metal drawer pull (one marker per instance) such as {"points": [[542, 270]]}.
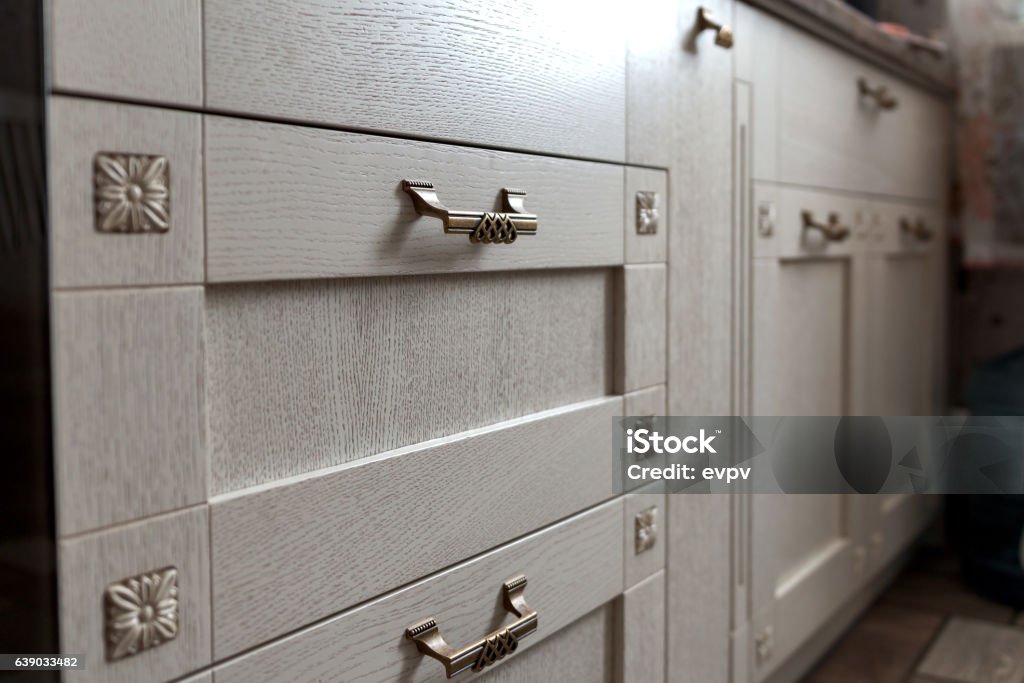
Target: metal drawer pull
{"points": [[481, 226], [706, 20], [918, 230], [880, 94], [833, 231], [488, 649]]}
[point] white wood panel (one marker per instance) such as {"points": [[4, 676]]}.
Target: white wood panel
{"points": [[643, 632], [640, 357], [141, 50], [83, 257], [800, 328], [128, 402], [306, 375], [698, 587], [398, 517], [646, 248], [291, 202], [652, 51], [583, 651], [831, 136], [642, 565], [536, 75], [700, 343], [88, 564], [367, 643], [700, 242], [786, 236]]}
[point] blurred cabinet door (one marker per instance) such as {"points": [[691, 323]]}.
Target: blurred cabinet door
{"points": [[903, 277], [805, 549]]}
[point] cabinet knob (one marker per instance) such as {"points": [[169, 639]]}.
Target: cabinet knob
{"points": [[918, 229], [483, 227], [706, 20], [488, 649], [833, 230], [879, 93]]}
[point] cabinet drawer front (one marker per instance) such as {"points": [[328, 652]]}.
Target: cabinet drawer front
{"points": [[507, 74], [794, 223], [307, 375], [287, 202], [831, 135], [396, 518]]}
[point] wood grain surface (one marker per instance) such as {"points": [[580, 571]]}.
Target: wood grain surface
{"points": [[526, 75], [128, 403], [90, 563], [299, 550], [286, 202], [84, 257], [142, 50], [367, 643], [306, 375]]}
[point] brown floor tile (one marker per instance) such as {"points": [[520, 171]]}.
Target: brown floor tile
{"points": [[944, 595], [975, 651], [882, 647], [1020, 619]]}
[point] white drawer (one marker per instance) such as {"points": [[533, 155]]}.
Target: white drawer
{"points": [[791, 223], [538, 75], [368, 644], [831, 135], [277, 549], [905, 228], [288, 202]]}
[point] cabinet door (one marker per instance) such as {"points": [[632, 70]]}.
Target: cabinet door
{"points": [[904, 300], [804, 548]]}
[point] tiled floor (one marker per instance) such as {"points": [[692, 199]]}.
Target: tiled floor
{"points": [[929, 628]]}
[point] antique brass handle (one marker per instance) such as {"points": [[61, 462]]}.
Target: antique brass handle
{"points": [[879, 93], [706, 20], [834, 231], [488, 649], [918, 230], [481, 226]]}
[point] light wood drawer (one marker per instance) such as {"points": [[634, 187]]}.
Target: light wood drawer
{"points": [[905, 228], [573, 568], [397, 517], [831, 135], [539, 76], [288, 202], [306, 375], [781, 229]]}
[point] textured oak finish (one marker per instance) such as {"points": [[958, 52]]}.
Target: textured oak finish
{"points": [[586, 650], [84, 257], [367, 643], [642, 620], [697, 541], [129, 408], [646, 248], [642, 564], [140, 50], [640, 355], [506, 74], [841, 139], [398, 517], [90, 563], [292, 202], [351, 368]]}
